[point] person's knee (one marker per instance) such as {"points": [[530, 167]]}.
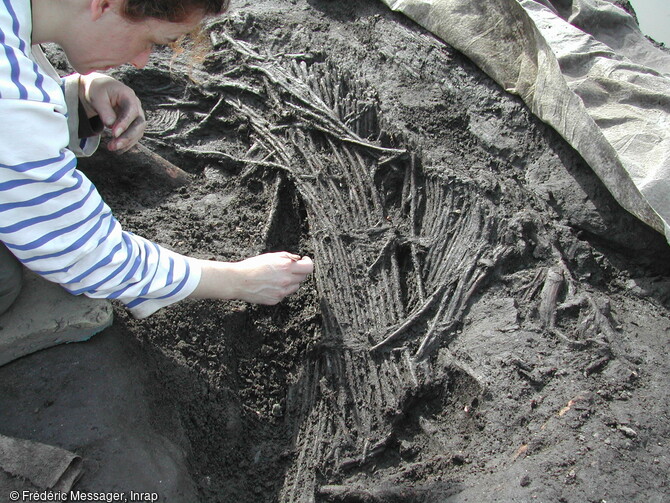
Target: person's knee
{"points": [[11, 278]]}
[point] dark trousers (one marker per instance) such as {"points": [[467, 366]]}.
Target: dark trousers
{"points": [[11, 278]]}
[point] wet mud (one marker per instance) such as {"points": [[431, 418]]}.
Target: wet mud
{"points": [[485, 323]]}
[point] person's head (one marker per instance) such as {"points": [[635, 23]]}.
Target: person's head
{"points": [[107, 33]]}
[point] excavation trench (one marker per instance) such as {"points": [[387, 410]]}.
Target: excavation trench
{"points": [[467, 265]]}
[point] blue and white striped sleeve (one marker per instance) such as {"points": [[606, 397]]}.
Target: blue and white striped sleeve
{"points": [[51, 216]]}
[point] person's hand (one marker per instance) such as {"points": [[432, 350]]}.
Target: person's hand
{"points": [[118, 107], [264, 279], [268, 278]]}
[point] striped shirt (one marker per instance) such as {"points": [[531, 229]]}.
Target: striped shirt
{"points": [[51, 216]]}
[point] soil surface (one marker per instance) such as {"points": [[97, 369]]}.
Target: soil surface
{"points": [[485, 323]]}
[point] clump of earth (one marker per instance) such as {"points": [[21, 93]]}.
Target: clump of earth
{"points": [[485, 323]]}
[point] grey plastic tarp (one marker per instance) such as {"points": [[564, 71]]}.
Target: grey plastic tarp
{"points": [[583, 67]]}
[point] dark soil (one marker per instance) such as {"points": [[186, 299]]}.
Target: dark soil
{"points": [[485, 323]]}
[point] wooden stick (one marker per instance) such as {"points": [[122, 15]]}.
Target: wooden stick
{"points": [[157, 165], [138, 164]]}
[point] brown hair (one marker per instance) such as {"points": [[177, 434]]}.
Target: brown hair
{"points": [[174, 11]]}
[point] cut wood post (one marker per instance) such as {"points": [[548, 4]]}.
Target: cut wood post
{"points": [[155, 164], [138, 164]]}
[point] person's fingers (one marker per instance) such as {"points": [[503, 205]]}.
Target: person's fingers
{"points": [[129, 113], [292, 256], [120, 146], [129, 137], [105, 111], [303, 266]]}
